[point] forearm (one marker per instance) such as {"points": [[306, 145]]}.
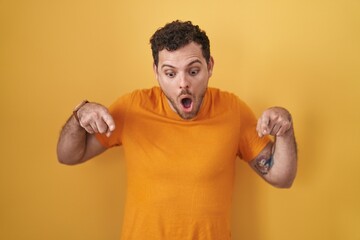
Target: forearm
{"points": [[284, 166], [77, 142], [72, 143]]}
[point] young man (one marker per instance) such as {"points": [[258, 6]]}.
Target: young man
{"points": [[181, 141]]}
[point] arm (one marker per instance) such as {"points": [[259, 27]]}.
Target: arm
{"points": [[277, 163], [77, 142]]}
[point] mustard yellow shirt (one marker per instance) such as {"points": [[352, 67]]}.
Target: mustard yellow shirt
{"points": [[180, 173]]}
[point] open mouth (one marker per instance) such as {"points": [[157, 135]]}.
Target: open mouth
{"points": [[186, 103]]}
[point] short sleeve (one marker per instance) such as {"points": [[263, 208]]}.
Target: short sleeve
{"points": [[250, 144]]}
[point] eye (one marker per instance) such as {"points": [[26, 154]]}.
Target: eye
{"points": [[194, 72], [170, 74]]}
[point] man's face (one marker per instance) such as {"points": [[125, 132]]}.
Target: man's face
{"points": [[183, 76]]}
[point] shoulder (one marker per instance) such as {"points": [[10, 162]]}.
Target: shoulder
{"points": [[135, 101], [224, 97], [145, 97], [228, 101], [139, 95], [153, 92]]}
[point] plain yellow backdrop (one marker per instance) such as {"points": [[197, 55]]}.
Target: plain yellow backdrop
{"points": [[303, 55]]}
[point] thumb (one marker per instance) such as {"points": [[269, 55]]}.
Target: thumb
{"points": [[108, 119]]}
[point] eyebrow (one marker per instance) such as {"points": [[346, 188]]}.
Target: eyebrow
{"points": [[191, 63]]}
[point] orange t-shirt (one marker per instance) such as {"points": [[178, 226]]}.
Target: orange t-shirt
{"points": [[180, 173]]}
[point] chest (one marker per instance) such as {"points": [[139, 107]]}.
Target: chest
{"points": [[155, 146]]}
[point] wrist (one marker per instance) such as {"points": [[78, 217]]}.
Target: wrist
{"points": [[77, 108], [288, 135]]}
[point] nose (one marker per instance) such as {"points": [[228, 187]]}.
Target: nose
{"points": [[184, 82]]}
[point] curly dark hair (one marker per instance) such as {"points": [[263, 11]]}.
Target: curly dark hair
{"points": [[177, 34]]}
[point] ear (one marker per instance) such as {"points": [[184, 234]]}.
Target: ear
{"points": [[155, 69], [210, 66]]}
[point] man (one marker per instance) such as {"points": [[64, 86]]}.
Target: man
{"points": [[181, 141]]}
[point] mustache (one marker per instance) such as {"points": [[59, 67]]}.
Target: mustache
{"points": [[185, 92]]}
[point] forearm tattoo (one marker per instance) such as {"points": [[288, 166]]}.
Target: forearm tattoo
{"points": [[264, 165]]}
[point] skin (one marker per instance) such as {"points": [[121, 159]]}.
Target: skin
{"points": [[184, 74], [277, 122], [77, 142]]}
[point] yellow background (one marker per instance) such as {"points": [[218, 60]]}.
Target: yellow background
{"points": [[303, 55]]}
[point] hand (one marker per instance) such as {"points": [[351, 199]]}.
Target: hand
{"points": [[275, 121], [95, 118]]}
